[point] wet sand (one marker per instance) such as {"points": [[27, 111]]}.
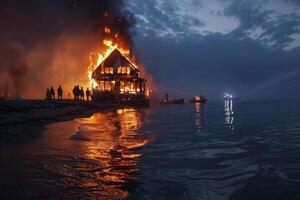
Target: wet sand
{"points": [[23, 120]]}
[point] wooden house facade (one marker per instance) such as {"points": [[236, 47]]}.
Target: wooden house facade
{"points": [[118, 79]]}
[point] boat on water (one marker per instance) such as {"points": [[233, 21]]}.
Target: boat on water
{"points": [[166, 101], [199, 99], [174, 101]]}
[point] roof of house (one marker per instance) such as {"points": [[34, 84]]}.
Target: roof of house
{"points": [[115, 59]]}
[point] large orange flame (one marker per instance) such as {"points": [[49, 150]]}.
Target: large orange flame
{"points": [[100, 57], [110, 42]]}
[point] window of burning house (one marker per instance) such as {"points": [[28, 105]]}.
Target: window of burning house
{"points": [[101, 86], [124, 70], [132, 87], [107, 85], [108, 70], [125, 87], [122, 86], [128, 70], [102, 70], [138, 86]]}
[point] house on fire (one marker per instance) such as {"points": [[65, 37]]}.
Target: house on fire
{"points": [[118, 79]]}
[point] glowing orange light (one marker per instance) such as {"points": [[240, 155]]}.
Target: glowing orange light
{"points": [[106, 14], [107, 30], [110, 47], [109, 43], [114, 138]]}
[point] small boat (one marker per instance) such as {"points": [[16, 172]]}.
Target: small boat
{"points": [[174, 101], [199, 99]]}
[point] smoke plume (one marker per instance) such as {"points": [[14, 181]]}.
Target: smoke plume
{"points": [[48, 43]]}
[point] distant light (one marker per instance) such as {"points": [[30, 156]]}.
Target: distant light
{"points": [[197, 98], [228, 95]]}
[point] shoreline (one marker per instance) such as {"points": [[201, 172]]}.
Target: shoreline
{"points": [[24, 120]]}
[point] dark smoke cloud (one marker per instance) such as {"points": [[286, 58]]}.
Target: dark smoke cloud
{"points": [[48, 42], [18, 73]]}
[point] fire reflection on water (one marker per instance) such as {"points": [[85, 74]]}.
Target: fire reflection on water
{"points": [[201, 116], [106, 158]]}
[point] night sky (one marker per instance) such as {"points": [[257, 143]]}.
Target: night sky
{"points": [[249, 48]]}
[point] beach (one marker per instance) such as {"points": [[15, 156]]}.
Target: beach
{"points": [[23, 120]]}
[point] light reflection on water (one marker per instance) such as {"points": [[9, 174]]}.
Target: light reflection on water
{"points": [[200, 116], [89, 158], [100, 157], [229, 114], [111, 140]]}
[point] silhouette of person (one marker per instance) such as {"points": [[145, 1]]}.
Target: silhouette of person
{"points": [[82, 93], [52, 93], [59, 93], [88, 94], [74, 92]]}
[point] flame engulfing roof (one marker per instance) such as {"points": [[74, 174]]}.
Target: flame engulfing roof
{"points": [[115, 59]]}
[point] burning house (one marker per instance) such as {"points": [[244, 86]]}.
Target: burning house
{"points": [[117, 78], [113, 72]]}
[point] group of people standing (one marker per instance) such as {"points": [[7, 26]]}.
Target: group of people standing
{"points": [[50, 93], [79, 93]]}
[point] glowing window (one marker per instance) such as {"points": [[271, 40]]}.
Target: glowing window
{"points": [[132, 87], [107, 70], [102, 86], [111, 70], [127, 87], [122, 86], [107, 85], [138, 87], [123, 70]]}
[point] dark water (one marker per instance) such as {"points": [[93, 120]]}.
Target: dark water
{"points": [[240, 151]]}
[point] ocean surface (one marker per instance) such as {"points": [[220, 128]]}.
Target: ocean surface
{"points": [[227, 150]]}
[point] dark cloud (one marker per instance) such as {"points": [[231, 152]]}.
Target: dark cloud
{"points": [[255, 60], [278, 29], [33, 20]]}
